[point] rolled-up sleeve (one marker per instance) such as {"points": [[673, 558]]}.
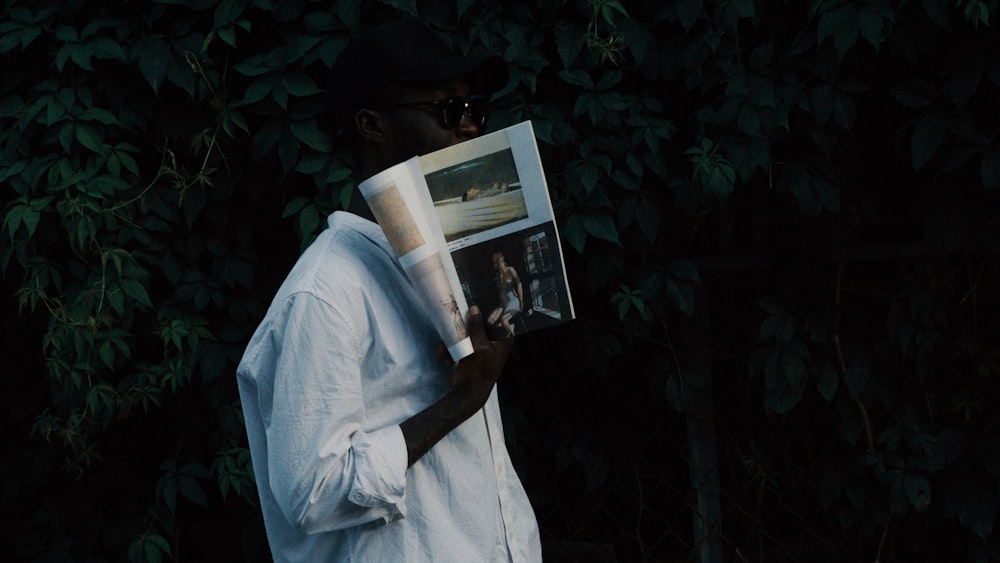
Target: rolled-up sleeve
{"points": [[327, 471]]}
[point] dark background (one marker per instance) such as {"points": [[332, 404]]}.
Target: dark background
{"points": [[781, 229]]}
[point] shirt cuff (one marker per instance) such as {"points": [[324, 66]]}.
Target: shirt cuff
{"points": [[380, 471]]}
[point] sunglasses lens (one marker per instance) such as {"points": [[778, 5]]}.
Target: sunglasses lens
{"points": [[477, 112], [454, 108]]}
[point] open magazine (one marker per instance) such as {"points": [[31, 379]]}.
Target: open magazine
{"points": [[473, 224]]}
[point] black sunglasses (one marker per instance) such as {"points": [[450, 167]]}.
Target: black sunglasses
{"points": [[453, 108]]}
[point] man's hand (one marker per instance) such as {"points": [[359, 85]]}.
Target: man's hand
{"points": [[476, 374], [472, 382]]}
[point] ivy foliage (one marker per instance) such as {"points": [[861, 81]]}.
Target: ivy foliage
{"points": [[815, 183]]}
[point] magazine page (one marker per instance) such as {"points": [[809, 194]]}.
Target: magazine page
{"points": [[395, 197], [492, 203]]}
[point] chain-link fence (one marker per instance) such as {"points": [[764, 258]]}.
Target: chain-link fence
{"points": [[646, 509], [643, 507]]}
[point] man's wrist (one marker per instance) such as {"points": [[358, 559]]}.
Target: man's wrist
{"points": [[470, 397], [424, 429]]}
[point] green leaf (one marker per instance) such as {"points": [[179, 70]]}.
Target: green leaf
{"points": [[688, 11], [748, 156], [976, 12], [748, 120], [841, 24], [570, 39], [259, 89], [575, 232], [719, 178], [231, 119], [974, 502], [12, 220], [280, 95], [265, 138], [7, 171], [918, 490], [166, 489], [328, 50], [67, 34], [586, 173], [683, 269], [27, 215], [856, 379], [794, 368], [827, 382], [623, 301], [227, 11], [106, 48], [116, 298], [927, 137], [191, 489], [127, 161], [607, 80], [939, 12], [149, 548], [771, 306], [107, 353], [10, 105], [963, 83], [227, 34], [265, 63], [298, 83], [135, 290], [784, 384], [683, 296], [989, 169], [872, 22], [99, 115], [89, 137], [309, 220], [769, 328], [80, 54], [288, 151], [154, 59], [577, 78], [295, 206], [913, 96], [813, 191], [309, 133], [313, 163], [601, 226]]}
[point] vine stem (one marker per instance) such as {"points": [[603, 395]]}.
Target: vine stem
{"points": [[842, 365], [881, 541], [866, 421]]}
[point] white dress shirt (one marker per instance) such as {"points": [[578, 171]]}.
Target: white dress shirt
{"points": [[343, 356]]}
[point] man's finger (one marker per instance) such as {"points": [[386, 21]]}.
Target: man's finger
{"points": [[477, 329], [442, 352], [502, 346]]}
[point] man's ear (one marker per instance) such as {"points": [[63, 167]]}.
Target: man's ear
{"points": [[370, 125]]}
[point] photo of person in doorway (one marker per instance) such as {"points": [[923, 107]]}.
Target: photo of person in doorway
{"points": [[509, 292]]}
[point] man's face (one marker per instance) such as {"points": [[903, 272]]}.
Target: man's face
{"points": [[417, 130]]}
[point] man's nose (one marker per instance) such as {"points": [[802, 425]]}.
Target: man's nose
{"points": [[467, 128]]}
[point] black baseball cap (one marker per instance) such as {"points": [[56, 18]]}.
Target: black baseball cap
{"points": [[405, 50]]}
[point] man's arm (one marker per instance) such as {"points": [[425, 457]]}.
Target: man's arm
{"points": [[472, 383]]}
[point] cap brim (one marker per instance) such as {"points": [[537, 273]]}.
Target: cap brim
{"points": [[487, 73]]}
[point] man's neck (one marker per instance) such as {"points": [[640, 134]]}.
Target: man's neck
{"points": [[359, 206]]}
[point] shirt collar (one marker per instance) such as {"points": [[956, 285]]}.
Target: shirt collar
{"points": [[369, 229]]}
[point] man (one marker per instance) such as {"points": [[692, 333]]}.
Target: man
{"points": [[366, 445]]}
